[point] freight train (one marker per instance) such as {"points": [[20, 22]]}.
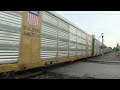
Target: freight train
{"points": [[31, 39]]}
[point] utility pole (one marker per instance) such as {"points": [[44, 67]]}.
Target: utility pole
{"points": [[102, 46]]}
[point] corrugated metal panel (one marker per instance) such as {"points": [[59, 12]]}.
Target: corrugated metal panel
{"points": [[89, 38], [63, 36], [49, 18], [70, 23], [77, 38], [79, 33], [94, 48], [83, 41], [83, 35], [83, 47], [72, 49], [89, 45], [79, 41], [10, 24], [73, 41], [83, 53], [97, 48], [48, 36], [79, 49], [73, 30]]}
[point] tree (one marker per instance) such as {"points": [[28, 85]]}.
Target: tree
{"points": [[115, 49]]}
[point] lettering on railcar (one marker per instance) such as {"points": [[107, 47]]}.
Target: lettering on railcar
{"points": [[30, 28], [31, 31], [31, 34]]}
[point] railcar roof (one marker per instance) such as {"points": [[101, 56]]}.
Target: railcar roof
{"points": [[66, 20]]}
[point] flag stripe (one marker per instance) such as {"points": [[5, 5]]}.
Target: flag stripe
{"points": [[32, 19]]}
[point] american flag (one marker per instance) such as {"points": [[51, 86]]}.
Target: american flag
{"points": [[33, 18]]}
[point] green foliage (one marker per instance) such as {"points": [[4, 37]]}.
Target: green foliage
{"points": [[115, 49]]}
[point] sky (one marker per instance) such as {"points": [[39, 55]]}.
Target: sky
{"points": [[96, 23]]}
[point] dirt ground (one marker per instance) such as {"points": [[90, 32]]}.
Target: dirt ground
{"points": [[93, 70], [113, 56]]}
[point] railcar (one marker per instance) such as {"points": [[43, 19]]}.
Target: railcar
{"points": [[48, 38], [97, 48]]}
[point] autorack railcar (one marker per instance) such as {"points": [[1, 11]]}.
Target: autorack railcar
{"points": [[48, 38]]}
